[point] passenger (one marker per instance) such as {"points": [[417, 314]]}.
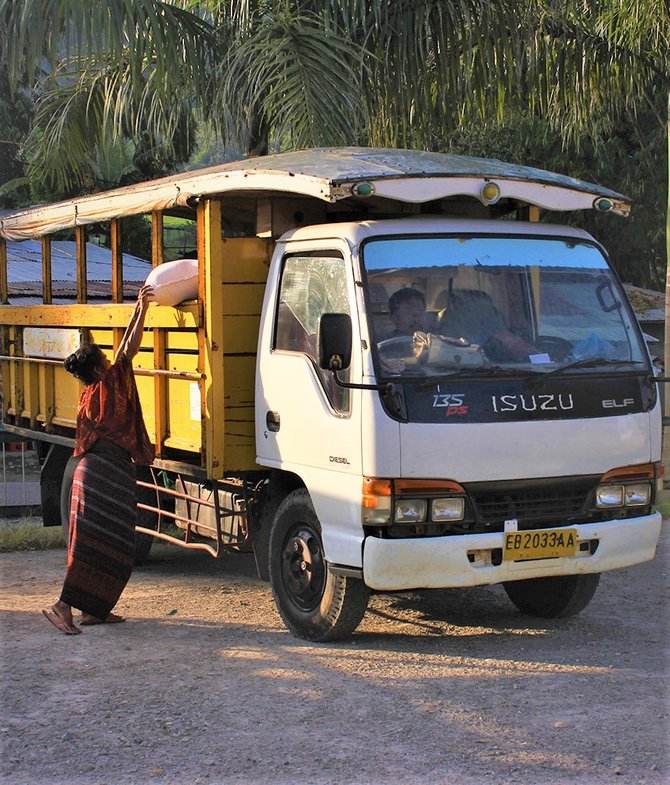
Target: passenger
{"points": [[110, 439], [470, 314]]}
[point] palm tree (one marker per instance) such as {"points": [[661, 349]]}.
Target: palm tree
{"points": [[284, 73]]}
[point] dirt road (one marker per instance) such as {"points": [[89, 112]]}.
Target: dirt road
{"points": [[202, 684]]}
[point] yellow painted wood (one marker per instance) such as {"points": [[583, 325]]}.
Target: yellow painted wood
{"points": [[210, 414], [245, 270], [157, 248], [247, 259], [47, 405], [16, 372], [210, 256], [160, 392], [66, 401], [117, 261], [243, 299], [183, 341], [31, 398], [4, 289], [110, 315]]}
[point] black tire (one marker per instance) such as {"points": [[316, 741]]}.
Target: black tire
{"points": [[554, 597], [315, 604]]}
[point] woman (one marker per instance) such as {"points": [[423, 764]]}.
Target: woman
{"points": [[110, 439]]}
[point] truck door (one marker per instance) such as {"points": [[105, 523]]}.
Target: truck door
{"points": [[305, 422]]}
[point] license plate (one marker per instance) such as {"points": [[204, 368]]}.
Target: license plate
{"points": [[539, 544]]}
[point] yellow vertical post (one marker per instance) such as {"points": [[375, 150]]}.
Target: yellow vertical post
{"points": [[246, 262], [157, 250], [4, 288], [160, 391], [4, 335], [117, 261], [666, 335], [32, 392], [160, 342], [17, 376], [117, 274], [80, 243], [210, 260]]}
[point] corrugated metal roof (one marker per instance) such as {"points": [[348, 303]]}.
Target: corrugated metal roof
{"points": [[24, 262], [24, 272], [649, 305]]}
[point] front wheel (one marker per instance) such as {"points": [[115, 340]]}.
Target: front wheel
{"points": [[314, 603], [553, 597]]}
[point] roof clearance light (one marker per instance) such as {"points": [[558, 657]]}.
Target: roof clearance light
{"points": [[490, 193], [364, 190], [603, 205]]}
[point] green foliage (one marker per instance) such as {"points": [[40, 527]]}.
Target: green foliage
{"points": [[15, 121], [632, 159], [589, 79]]}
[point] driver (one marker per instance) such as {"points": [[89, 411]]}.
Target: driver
{"points": [[407, 309]]}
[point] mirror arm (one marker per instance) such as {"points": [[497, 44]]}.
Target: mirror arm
{"points": [[386, 387]]}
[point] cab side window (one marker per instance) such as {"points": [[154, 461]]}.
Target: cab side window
{"points": [[312, 285]]}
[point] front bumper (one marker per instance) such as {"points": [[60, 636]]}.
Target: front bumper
{"points": [[465, 560]]}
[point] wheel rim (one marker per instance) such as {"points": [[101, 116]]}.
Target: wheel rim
{"points": [[303, 567]]}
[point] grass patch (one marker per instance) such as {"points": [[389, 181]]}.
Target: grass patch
{"points": [[29, 536], [664, 509]]}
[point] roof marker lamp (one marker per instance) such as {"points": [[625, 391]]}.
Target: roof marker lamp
{"points": [[363, 190], [490, 193], [603, 205]]}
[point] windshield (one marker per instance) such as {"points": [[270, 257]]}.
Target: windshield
{"points": [[440, 306]]}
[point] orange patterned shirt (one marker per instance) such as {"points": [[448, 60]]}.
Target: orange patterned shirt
{"points": [[110, 409]]}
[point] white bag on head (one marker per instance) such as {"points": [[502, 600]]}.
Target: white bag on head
{"points": [[174, 282]]}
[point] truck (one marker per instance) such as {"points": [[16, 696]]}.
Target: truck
{"points": [[402, 371]]}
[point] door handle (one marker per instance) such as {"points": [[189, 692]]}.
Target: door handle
{"points": [[272, 420]]}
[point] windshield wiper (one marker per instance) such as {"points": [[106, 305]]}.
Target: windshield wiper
{"points": [[478, 372], [591, 362]]}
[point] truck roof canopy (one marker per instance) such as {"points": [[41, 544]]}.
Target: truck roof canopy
{"points": [[351, 177]]}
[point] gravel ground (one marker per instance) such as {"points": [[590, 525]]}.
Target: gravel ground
{"points": [[203, 685]]}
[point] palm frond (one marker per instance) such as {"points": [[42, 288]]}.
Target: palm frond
{"points": [[301, 76]]}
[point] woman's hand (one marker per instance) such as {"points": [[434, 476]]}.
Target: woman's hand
{"points": [[145, 295]]}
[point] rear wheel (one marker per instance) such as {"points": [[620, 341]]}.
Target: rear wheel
{"points": [[314, 603], [553, 597]]}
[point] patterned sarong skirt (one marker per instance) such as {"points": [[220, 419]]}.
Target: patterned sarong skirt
{"points": [[101, 548]]}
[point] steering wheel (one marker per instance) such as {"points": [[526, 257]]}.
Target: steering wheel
{"points": [[398, 346]]}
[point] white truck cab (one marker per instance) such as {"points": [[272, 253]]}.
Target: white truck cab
{"points": [[515, 436]]}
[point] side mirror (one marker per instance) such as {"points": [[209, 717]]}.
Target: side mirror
{"points": [[335, 341]]}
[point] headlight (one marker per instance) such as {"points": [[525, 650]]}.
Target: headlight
{"points": [[410, 511], [448, 509], [610, 496], [638, 494]]}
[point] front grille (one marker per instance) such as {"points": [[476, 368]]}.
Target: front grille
{"points": [[534, 504]]}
